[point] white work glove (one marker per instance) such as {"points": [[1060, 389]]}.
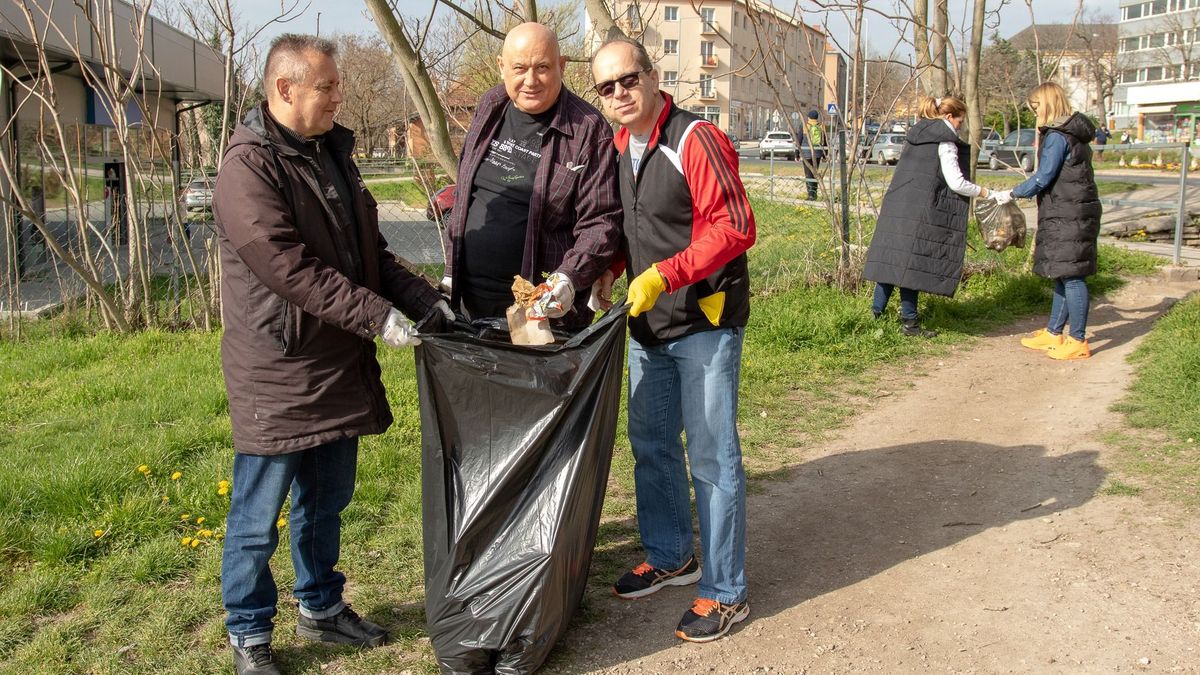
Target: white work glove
{"points": [[445, 309], [398, 331], [601, 299], [1002, 196], [555, 296], [446, 284]]}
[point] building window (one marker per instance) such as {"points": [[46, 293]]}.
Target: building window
{"points": [[670, 46], [712, 113], [706, 86], [708, 15], [670, 78], [1076, 70], [706, 50], [634, 17], [1154, 73], [670, 13]]}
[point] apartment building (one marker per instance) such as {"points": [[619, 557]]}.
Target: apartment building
{"points": [[1085, 55], [744, 66], [1158, 56]]}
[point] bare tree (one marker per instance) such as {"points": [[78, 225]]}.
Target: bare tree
{"points": [[372, 90]]}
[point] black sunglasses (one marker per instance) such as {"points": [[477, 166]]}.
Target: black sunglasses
{"points": [[627, 81]]}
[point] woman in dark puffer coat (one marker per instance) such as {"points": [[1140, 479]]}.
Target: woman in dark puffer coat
{"points": [[1068, 220], [921, 235]]}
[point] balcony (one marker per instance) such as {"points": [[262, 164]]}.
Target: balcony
{"points": [[709, 27], [709, 61], [708, 94]]}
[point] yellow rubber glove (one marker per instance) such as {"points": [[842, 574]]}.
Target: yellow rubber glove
{"points": [[644, 290]]}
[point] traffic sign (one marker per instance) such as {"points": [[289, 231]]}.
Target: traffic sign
{"points": [[831, 109]]}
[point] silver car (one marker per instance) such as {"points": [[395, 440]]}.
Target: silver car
{"points": [[887, 148], [197, 195], [777, 144]]}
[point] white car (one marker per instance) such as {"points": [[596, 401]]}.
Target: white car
{"points": [[777, 144]]}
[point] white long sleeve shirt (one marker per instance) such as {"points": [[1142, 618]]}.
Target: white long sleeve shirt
{"points": [[948, 155]]}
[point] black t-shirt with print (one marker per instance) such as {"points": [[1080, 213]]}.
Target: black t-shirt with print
{"points": [[494, 240]]}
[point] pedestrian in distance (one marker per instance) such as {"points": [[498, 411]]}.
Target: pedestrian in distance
{"points": [[1102, 136], [812, 151], [921, 235], [687, 226], [1069, 213], [307, 283]]}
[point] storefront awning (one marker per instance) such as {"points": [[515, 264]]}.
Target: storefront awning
{"points": [[1149, 109]]}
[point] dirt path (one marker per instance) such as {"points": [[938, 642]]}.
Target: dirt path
{"points": [[954, 526]]}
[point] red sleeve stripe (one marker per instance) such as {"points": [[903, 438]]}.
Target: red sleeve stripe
{"points": [[735, 199]]}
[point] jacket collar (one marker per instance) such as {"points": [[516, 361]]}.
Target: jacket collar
{"points": [[265, 130], [621, 139]]}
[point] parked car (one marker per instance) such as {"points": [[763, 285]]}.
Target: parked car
{"points": [[197, 195], [1015, 150], [866, 141], [441, 204], [990, 141], [777, 144], [887, 148]]}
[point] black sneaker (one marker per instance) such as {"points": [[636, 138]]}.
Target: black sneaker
{"points": [[345, 627], [255, 660], [708, 620], [644, 579]]}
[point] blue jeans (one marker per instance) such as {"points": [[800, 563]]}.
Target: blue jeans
{"points": [[690, 386], [321, 480], [1069, 304], [908, 300]]}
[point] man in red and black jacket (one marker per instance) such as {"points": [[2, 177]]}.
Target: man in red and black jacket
{"points": [[687, 226]]}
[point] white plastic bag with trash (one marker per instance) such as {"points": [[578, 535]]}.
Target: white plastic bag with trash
{"points": [[1002, 225]]}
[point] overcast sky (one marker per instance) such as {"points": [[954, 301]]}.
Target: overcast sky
{"points": [[350, 16]]}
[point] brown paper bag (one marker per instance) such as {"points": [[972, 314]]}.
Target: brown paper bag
{"points": [[525, 331]]}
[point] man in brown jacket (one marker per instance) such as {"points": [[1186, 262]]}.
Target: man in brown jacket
{"points": [[307, 284]]}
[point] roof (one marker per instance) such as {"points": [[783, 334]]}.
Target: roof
{"points": [[184, 68], [1059, 37]]}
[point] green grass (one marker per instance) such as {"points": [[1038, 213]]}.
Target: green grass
{"points": [[403, 190], [1165, 400], [94, 575]]}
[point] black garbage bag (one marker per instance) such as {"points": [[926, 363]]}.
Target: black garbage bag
{"points": [[516, 444], [1002, 225]]}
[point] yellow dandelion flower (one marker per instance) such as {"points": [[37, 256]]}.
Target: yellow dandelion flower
{"points": [[177, 475], [165, 499], [195, 543], [185, 516], [205, 533], [143, 469], [200, 520], [222, 491], [185, 541], [282, 522], [223, 484], [97, 533]]}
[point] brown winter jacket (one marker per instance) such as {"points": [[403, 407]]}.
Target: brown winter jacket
{"points": [[298, 351]]}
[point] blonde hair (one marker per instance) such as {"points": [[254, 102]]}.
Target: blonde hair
{"points": [[1051, 103], [931, 108]]}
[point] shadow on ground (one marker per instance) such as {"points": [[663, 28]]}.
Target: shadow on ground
{"points": [[836, 520]]}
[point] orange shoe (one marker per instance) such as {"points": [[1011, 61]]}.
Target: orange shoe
{"points": [[1042, 340], [1069, 350]]}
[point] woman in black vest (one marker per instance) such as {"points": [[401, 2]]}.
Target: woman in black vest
{"points": [[1068, 220], [921, 236]]}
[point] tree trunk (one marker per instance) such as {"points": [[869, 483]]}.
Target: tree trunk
{"points": [[939, 40], [921, 45], [602, 21], [418, 83], [971, 85]]}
